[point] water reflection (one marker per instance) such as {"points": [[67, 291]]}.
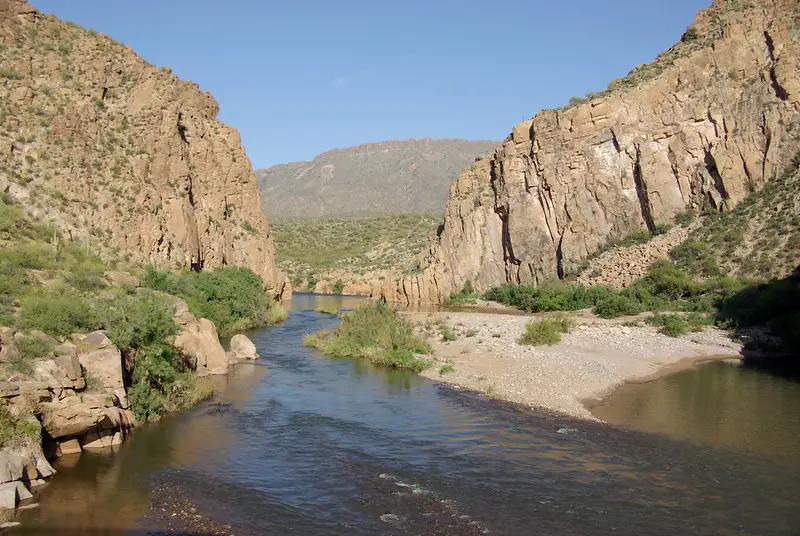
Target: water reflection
{"points": [[720, 403]]}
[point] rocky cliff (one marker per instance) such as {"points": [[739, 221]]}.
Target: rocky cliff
{"points": [[711, 120], [389, 177], [121, 154]]}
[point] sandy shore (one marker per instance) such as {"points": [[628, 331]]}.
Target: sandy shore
{"points": [[595, 357]]}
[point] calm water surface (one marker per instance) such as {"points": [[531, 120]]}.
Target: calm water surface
{"points": [[298, 443]]}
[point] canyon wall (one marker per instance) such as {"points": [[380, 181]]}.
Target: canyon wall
{"points": [[121, 155], [709, 121]]}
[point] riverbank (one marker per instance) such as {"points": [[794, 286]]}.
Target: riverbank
{"points": [[483, 355]]}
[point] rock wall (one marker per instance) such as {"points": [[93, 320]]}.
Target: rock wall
{"points": [[121, 154], [711, 120]]}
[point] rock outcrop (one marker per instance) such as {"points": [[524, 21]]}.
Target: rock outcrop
{"points": [[710, 121], [198, 343], [121, 154], [242, 349]]}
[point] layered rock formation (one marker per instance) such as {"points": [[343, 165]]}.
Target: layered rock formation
{"points": [[710, 121], [121, 154]]}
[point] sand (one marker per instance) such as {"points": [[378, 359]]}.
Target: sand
{"points": [[593, 359]]}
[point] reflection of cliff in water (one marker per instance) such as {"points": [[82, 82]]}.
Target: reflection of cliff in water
{"points": [[722, 403]]}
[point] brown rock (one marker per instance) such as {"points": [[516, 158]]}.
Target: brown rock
{"points": [[71, 446], [199, 346], [136, 155], [242, 349], [104, 365], [122, 279], [715, 120]]}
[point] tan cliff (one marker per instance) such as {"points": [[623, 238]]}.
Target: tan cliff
{"points": [[122, 155], [711, 120]]}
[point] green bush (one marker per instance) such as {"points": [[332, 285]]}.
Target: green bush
{"points": [[233, 298], [374, 332], [619, 304], [18, 431], [137, 321], [338, 287], [553, 296], [677, 325], [546, 331], [466, 296], [59, 313]]}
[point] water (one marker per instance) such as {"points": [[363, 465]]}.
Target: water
{"points": [[298, 443]]}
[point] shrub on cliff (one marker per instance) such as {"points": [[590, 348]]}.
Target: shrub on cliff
{"points": [[233, 298], [376, 333]]}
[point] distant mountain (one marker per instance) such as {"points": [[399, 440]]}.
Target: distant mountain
{"points": [[389, 177]]}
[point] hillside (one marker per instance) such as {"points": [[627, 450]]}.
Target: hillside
{"points": [[710, 121], [391, 177], [346, 254], [123, 156]]}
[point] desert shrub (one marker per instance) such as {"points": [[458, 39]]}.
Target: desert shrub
{"points": [[338, 287], [448, 334], [617, 304], [59, 313], [233, 298], [137, 320], [675, 325], [553, 296], [546, 331], [18, 431], [155, 370], [466, 296], [327, 310], [374, 332]]}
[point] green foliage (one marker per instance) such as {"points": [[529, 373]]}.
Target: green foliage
{"points": [[59, 313], [546, 331], [446, 369], [338, 287], [18, 431], [233, 298], [675, 325], [552, 296], [448, 334], [617, 304], [376, 333], [358, 244], [466, 296], [137, 321], [685, 218], [327, 310]]}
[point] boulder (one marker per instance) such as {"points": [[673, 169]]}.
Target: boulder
{"points": [[242, 348], [198, 343], [68, 420], [102, 362], [122, 279], [9, 389], [71, 446], [12, 466], [11, 493], [8, 353]]}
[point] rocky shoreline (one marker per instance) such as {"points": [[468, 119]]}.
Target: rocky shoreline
{"points": [[75, 399], [593, 359]]}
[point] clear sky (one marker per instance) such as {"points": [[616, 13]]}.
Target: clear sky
{"points": [[299, 77]]}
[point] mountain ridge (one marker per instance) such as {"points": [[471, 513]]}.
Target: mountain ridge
{"points": [[385, 177]]}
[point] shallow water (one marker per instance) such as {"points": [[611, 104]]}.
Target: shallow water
{"points": [[299, 443]]}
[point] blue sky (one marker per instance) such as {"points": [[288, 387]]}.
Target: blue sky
{"points": [[299, 77]]}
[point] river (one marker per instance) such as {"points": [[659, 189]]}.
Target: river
{"points": [[298, 443]]}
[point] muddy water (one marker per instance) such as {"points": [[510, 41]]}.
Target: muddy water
{"points": [[721, 403], [302, 444]]}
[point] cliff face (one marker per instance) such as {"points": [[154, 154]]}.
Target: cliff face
{"points": [[123, 155], [710, 121]]}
